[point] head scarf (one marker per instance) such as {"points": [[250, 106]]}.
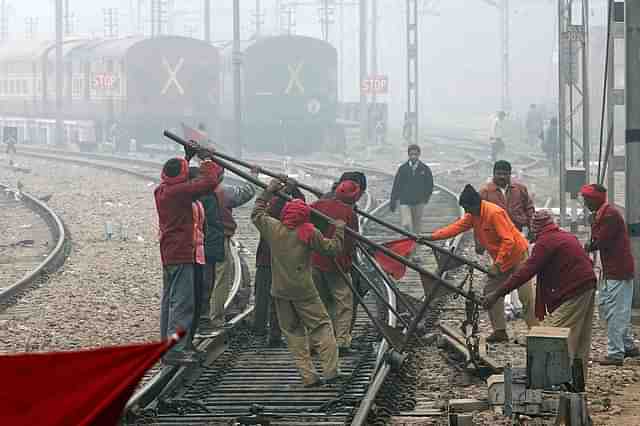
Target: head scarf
{"points": [[348, 192], [295, 215], [357, 177], [541, 221], [181, 177], [593, 193], [502, 165], [469, 197]]}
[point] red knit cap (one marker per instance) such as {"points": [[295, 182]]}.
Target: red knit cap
{"points": [[295, 215], [592, 192], [540, 220], [348, 191]]}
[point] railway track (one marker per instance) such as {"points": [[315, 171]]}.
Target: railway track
{"points": [[39, 246], [242, 380]]}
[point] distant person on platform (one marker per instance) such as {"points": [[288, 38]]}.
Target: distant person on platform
{"points": [[303, 319], [551, 148], [497, 136], [565, 284], [412, 189], [534, 126], [506, 246], [515, 200], [610, 237]]}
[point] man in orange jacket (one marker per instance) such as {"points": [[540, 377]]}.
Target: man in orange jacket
{"points": [[506, 246]]}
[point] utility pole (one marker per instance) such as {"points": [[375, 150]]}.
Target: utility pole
{"points": [[4, 21], [237, 67], [611, 105], [364, 138], [326, 18], [258, 18], [67, 19], [159, 17], [288, 9], [412, 70], [632, 134], [374, 48], [573, 116], [60, 140], [31, 27], [110, 22], [207, 21], [504, 56]]}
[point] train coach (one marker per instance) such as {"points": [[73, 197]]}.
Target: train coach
{"points": [[113, 89], [289, 94]]}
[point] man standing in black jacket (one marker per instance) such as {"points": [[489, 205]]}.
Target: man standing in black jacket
{"points": [[412, 187]]}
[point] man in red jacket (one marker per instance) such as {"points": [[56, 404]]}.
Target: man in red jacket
{"points": [[334, 291], [174, 197], [609, 236], [565, 284]]}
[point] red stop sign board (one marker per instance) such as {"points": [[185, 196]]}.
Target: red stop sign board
{"points": [[376, 84]]}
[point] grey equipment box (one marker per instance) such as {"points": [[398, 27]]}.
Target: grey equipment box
{"points": [[548, 362]]}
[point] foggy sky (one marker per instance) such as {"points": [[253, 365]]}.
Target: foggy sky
{"points": [[459, 49]]}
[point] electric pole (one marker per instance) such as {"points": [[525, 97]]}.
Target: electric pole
{"points": [[31, 27], [4, 21], [632, 134], [110, 22], [258, 17], [504, 56], [207, 21], [364, 138], [59, 74], [159, 17], [412, 72], [237, 67], [374, 47]]}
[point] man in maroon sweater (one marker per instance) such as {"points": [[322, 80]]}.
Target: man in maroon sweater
{"points": [[609, 236], [565, 284], [173, 198]]}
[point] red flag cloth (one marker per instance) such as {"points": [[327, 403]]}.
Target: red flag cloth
{"points": [[192, 134], [400, 247], [87, 387]]}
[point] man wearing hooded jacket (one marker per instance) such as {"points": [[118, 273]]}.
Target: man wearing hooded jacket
{"points": [[298, 305], [173, 198], [334, 291]]}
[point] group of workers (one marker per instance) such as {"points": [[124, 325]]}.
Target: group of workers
{"points": [[304, 290]]}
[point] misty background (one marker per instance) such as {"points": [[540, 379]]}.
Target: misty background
{"points": [[458, 46]]}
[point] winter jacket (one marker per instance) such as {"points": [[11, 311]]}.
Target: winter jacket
{"points": [[214, 230], [231, 197], [198, 232], [609, 235], [564, 270], [290, 257], [335, 209], [518, 203], [495, 232], [173, 199], [412, 187]]}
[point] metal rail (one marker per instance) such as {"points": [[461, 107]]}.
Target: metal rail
{"points": [[54, 259]]}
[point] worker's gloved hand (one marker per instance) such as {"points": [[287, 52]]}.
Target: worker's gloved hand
{"points": [[392, 207], [189, 151], [424, 239], [275, 185], [489, 300]]}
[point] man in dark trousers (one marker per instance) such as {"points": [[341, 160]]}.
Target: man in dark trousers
{"points": [[412, 189], [610, 237], [265, 311], [173, 198]]}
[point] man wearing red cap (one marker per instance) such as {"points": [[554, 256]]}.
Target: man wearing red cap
{"points": [[298, 305], [334, 291], [566, 284], [174, 197], [609, 236]]}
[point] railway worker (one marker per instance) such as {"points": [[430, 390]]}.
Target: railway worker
{"points": [[334, 291], [299, 308], [497, 136], [505, 244], [515, 200], [357, 177], [565, 284], [534, 125], [412, 189], [173, 198], [213, 253], [229, 197], [610, 237], [265, 311]]}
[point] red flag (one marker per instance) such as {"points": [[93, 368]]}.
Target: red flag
{"points": [[192, 134], [87, 387], [402, 248]]}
